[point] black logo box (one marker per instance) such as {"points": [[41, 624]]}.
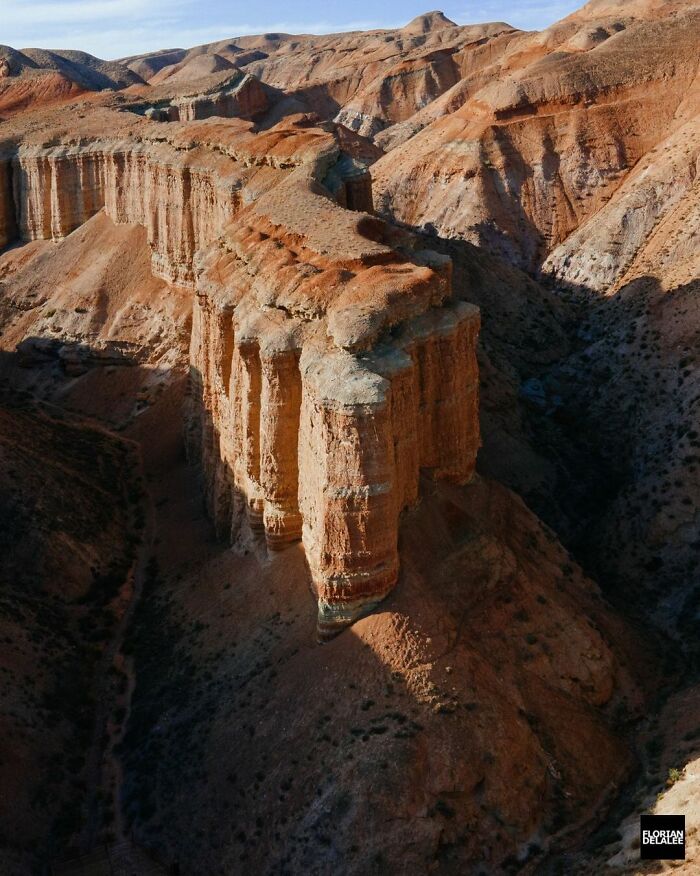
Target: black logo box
{"points": [[654, 829]]}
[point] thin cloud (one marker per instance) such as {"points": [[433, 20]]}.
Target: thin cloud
{"points": [[30, 14]]}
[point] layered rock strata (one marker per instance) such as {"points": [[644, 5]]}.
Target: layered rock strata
{"points": [[182, 199], [244, 98], [183, 191], [517, 161], [325, 379], [241, 96], [329, 363]]}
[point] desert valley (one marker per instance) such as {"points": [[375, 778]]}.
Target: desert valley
{"points": [[350, 450]]}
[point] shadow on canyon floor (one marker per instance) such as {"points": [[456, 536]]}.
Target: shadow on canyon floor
{"points": [[250, 746], [247, 745], [590, 407], [244, 744], [305, 749], [71, 498]]}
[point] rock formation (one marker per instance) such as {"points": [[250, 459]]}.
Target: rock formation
{"points": [[238, 95], [329, 362], [292, 291], [517, 159], [324, 437], [331, 368], [277, 246], [182, 202], [367, 81], [244, 98]]}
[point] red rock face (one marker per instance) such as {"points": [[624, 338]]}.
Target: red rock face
{"points": [[17, 95], [329, 364], [181, 203], [312, 419], [515, 161], [36, 78], [283, 224]]}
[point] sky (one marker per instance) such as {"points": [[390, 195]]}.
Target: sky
{"points": [[116, 28]]}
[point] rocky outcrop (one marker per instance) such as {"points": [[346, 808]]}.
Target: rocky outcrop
{"points": [[329, 363], [238, 95], [368, 81], [39, 78], [333, 373], [350, 182], [243, 98], [328, 369]]}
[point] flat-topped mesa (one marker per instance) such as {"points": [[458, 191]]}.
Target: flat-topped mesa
{"points": [[329, 361], [184, 188], [330, 364]]}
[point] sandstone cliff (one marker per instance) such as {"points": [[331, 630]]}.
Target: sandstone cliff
{"points": [[330, 370], [481, 718], [329, 365]]}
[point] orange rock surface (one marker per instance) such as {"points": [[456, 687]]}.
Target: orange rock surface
{"points": [[518, 162], [328, 363], [302, 257]]}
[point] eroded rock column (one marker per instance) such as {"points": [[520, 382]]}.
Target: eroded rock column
{"points": [[348, 488], [280, 408], [246, 376]]}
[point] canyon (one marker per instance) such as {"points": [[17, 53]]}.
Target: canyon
{"points": [[349, 429], [303, 359]]}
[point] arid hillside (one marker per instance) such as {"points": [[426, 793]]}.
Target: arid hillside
{"points": [[71, 525], [350, 432], [39, 77], [537, 151]]}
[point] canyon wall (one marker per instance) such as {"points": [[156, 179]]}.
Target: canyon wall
{"points": [[182, 202], [329, 363], [542, 145], [323, 384]]}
